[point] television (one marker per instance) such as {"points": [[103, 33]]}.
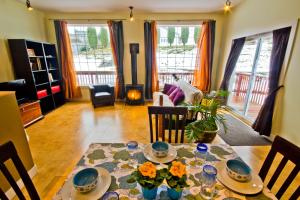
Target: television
{"points": [[19, 86]]}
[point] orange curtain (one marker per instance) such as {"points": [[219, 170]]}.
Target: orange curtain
{"points": [[155, 82], [71, 88], [202, 69]]}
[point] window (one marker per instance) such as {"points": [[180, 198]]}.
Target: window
{"points": [[92, 53], [249, 81], [176, 53]]}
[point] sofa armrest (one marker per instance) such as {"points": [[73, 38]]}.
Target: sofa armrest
{"points": [[166, 99], [92, 93], [112, 91], [92, 90]]}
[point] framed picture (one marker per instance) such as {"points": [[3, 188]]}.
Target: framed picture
{"points": [[31, 52], [33, 65], [39, 64], [50, 77]]}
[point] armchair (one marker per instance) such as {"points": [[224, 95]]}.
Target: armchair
{"points": [[102, 95]]}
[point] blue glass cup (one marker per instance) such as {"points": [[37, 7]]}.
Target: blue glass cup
{"points": [[200, 153], [208, 181], [132, 146]]}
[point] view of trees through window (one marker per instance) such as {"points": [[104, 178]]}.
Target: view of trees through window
{"points": [[92, 54], [177, 48], [91, 47]]}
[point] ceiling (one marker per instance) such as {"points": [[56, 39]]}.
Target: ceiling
{"points": [[122, 5]]}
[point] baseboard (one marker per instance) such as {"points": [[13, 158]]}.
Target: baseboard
{"points": [[271, 137], [11, 193]]}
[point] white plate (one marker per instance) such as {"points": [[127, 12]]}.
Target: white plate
{"points": [[172, 154], [254, 186], [69, 192]]}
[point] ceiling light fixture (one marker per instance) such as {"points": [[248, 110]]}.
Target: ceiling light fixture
{"points": [[131, 13], [227, 6], [28, 5]]}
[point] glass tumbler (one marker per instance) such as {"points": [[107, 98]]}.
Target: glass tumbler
{"points": [[200, 153], [208, 181], [132, 146]]}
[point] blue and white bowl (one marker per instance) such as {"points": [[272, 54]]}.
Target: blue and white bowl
{"points": [[160, 149], [86, 180], [238, 170]]}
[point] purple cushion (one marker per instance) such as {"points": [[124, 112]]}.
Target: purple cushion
{"points": [[173, 94], [172, 88], [167, 88], [179, 97]]}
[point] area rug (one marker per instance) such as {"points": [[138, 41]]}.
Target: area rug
{"points": [[240, 134]]}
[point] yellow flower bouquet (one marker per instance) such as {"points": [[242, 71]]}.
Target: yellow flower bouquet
{"points": [[147, 176], [176, 176]]}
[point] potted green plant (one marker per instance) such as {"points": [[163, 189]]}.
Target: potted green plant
{"points": [[149, 178], [176, 178], [204, 129]]}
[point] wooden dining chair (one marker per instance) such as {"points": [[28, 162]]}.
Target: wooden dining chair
{"points": [[9, 152], [290, 152], [2, 195], [172, 119]]}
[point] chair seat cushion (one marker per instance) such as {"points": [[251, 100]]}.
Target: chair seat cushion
{"points": [[102, 94]]}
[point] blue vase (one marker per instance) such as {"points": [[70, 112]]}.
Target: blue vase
{"points": [[149, 194], [173, 194]]}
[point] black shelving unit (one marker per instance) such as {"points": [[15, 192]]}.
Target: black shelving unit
{"points": [[37, 70]]}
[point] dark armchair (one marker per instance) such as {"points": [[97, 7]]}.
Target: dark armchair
{"points": [[102, 95]]}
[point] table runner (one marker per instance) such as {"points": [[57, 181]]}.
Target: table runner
{"points": [[110, 156]]}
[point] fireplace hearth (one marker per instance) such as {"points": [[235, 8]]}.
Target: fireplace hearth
{"points": [[134, 91]]}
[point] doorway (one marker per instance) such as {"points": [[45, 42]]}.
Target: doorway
{"points": [[249, 82]]}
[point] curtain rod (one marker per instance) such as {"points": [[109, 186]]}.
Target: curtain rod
{"points": [[89, 19], [179, 20]]}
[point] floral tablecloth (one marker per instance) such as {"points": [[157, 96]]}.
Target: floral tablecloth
{"points": [[114, 158]]}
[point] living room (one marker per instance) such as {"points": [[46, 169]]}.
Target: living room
{"points": [[53, 145]]}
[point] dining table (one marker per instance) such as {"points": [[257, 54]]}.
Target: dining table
{"points": [[115, 158]]}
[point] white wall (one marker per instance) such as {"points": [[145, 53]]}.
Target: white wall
{"points": [[17, 22]]}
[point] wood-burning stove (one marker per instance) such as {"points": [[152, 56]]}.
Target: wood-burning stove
{"points": [[134, 91]]}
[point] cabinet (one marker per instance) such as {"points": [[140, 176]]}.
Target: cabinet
{"points": [[30, 112], [37, 63]]}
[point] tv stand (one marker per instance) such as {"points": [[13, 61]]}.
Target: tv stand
{"points": [[30, 112]]}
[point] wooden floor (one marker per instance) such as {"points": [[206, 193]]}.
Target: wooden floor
{"points": [[58, 141], [237, 103]]}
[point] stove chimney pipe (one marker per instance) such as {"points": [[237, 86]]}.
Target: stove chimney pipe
{"points": [[134, 50]]}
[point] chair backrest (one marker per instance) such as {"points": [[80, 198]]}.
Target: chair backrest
{"points": [[167, 118], [9, 152], [2, 195], [290, 152]]}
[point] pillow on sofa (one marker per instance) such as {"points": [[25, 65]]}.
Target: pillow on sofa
{"points": [[167, 88], [173, 94], [172, 88], [179, 97]]}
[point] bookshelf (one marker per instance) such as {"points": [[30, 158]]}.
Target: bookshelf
{"points": [[37, 63]]}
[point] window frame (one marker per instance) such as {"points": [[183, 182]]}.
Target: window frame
{"points": [[91, 70]]}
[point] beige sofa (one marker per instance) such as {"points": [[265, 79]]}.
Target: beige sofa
{"points": [[192, 94]]}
